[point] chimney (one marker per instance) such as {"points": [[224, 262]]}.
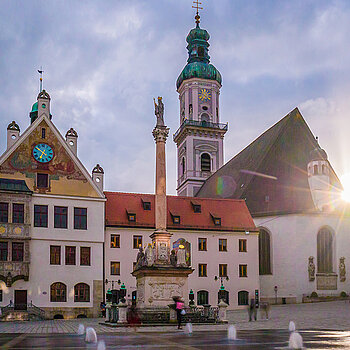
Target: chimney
{"points": [[97, 176], [72, 140], [12, 134]]}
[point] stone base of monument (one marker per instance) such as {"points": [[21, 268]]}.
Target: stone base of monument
{"points": [[157, 285]]}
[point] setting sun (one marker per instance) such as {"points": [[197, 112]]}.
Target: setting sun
{"points": [[345, 180]]}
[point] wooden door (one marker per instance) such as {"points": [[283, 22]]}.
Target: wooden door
{"points": [[20, 300]]}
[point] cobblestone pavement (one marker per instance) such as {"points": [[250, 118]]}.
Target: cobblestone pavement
{"points": [[326, 316]]}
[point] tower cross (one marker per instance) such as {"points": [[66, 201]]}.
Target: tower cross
{"points": [[40, 71], [197, 7]]}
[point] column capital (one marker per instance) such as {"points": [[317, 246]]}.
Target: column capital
{"points": [[160, 133]]}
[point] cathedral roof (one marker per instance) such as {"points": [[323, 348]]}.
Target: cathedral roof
{"points": [[234, 214], [271, 172]]}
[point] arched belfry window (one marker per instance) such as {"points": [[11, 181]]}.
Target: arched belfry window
{"points": [[264, 253], [201, 51], [323, 169], [324, 251], [183, 165], [315, 169], [205, 162]]}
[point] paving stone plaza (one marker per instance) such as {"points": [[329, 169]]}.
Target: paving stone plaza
{"points": [[322, 325]]}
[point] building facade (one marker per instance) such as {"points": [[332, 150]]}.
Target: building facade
{"points": [[51, 221], [219, 235]]}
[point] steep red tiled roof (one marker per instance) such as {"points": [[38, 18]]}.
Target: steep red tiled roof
{"points": [[233, 213]]}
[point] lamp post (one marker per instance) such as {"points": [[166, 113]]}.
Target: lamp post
{"points": [[222, 292], [276, 289]]}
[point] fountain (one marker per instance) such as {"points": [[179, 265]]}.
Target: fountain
{"points": [[81, 329], [232, 332], [292, 327], [101, 345], [295, 341], [91, 336], [188, 329]]}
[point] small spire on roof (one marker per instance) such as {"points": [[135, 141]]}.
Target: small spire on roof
{"points": [[197, 7], [40, 71]]}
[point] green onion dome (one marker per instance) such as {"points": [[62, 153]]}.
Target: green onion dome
{"points": [[198, 65]]}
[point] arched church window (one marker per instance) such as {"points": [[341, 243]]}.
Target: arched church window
{"points": [[205, 162], [325, 251], [323, 169], [315, 170], [264, 253], [205, 118], [183, 165], [58, 292], [201, 51]]}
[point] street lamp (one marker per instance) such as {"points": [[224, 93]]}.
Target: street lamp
{"points": [[222, 292], [191, 297]]}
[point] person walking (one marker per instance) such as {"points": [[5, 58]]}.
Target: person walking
{"points": [[179, 307], [252, 310]]}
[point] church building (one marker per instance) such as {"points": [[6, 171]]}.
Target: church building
{"points": [[51, 223]]}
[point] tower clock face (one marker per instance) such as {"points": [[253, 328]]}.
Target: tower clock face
{"points": [[204, 95], [42, 153]]}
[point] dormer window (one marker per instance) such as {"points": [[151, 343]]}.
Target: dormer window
{"points": [[216, 220], [43, 133], [146, 205], [176, 219], [197, 208], [131, 217]]}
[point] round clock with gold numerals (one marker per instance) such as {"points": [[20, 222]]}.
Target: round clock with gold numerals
{"points": [[204, 95], [42, 153]]}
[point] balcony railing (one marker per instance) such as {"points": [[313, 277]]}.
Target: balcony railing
{"points": [[193, 174], [202, 124]]}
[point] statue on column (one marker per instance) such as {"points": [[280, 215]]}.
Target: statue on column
{"points": [[173, 258], [149, 254], [159, 111], [311, 269], [181, 256], [140, 259], [342, 271]]}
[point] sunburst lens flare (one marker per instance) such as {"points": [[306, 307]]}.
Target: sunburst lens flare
{"points": [[345, 180]]}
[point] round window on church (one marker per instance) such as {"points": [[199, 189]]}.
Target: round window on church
{"points": [[205, 108], [43, 105]]}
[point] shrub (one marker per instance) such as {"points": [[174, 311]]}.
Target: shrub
{"points": [[314, 295]]}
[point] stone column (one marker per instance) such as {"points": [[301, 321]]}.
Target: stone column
{"points": [[161, 238]]}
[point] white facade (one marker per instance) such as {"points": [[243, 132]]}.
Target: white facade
{"points": [[126, 255]]}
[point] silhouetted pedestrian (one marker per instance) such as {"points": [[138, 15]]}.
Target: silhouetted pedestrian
{"points": [[180, 311], [252, 310]]}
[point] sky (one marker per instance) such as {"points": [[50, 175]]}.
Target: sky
{"points": [[104, 61]]}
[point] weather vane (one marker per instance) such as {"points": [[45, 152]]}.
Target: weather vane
{"points": [[40, 71], [197, 7]]}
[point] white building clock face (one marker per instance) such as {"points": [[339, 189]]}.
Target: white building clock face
{"points": [[204, 95], [42, 153]]}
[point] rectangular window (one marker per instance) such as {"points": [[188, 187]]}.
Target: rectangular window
{"points": [[243, 271], [222, 270], [202, 244], [40, 215], [132, 217], [202, 270], [70, 255], [137, 242], [43, 133], [80, 218], [4, 212], [60, 217], [115, 268], [242, 245], [115, 241], [18, 213], [42, 180], [146, 205], [3, 251], [197, 208], [55, 255], [17, 251], [85, 253], [176, 219], [222, 245]]}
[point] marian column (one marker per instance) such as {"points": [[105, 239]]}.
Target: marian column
{"points": [[161, 238]]}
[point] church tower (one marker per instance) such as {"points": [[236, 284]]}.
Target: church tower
{"points": [[199, 139]]}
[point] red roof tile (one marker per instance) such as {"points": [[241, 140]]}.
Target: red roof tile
{"points": [[234, 213]]}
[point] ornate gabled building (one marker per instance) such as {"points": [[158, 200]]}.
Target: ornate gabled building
{"points": [[199, 139], [294, 196], [51, 222]]}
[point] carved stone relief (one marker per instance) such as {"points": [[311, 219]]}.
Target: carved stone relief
{"points": [[311, 269], [342, 271]]}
